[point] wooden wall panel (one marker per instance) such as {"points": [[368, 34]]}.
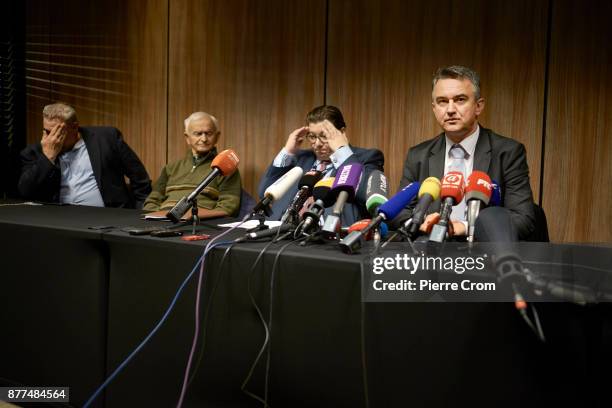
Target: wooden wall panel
{"points": [[111, 66], [382, 56], [256, 65], [578, 149], [38, 76]]}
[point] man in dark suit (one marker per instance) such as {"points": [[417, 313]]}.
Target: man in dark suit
{"points": [[81, 165], [325, 130], [457, 103]]}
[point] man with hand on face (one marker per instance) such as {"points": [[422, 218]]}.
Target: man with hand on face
{"points": [[325, 132], [81, 165], [220, 198], [465, 146]]}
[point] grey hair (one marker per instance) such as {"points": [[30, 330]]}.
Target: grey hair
{"points": [[201, 115], [61, 111], [458, 72]]}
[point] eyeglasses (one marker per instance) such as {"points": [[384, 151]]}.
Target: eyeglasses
{"points": [[312, 138], [207, 133]]}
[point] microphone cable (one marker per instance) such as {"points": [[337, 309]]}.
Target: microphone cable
{"points": [[196, 333], [153, 331], [263, 322], [207, 314], [271, 304]]}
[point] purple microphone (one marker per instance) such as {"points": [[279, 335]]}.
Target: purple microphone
{"points": [[344, 189]]}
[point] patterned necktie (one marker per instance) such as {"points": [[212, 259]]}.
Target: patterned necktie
{"points": [[457, 163], [322, 167]]}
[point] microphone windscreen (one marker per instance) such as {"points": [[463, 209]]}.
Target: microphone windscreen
{"points": [[310, 179], [452, 186], [495, 195], [359, 225], [321, 190], [374, 201], [400, 200], [347, 179], [431, 186], [226, 161], [284, 184], [377, 184], [478, 187], [362, 224]]}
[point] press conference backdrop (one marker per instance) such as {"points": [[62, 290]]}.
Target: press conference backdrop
{"points": [[259, 66]]}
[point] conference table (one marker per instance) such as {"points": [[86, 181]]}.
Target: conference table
{"points": [[79, 294]]}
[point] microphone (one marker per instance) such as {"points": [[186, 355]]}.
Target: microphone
{"points": [[428, 193], [377, 191], [305, 185], [363, 224], [387, 211], [451, 192], [278, 189], [348, 178], [224, 164], [323, 199], [496, 195], [270, 232], [478, 192]]}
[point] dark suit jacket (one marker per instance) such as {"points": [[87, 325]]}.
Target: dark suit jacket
{"points": [[371, 159], [502, 158], [111, 160]]}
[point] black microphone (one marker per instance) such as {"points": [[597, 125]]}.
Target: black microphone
{"points": [[270, 232], [305, 187], [320, 193]]}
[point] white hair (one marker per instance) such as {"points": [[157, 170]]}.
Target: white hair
{"points": [[201, 115], [61, 111]]}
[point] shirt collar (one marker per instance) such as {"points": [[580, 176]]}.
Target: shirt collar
{"points": [[468, 144]]}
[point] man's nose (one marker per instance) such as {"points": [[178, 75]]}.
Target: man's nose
{"points": [[450, 108]]}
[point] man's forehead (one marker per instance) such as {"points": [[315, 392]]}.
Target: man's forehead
{"points": [[449, 87], [201, 124], [315, 127], [51, 122]]}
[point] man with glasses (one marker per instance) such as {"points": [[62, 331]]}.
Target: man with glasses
{"points": [[81, 165], [220, 198], [325, 132]]}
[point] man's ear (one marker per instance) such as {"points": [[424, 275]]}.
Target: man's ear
{"points": [[480, 105]]}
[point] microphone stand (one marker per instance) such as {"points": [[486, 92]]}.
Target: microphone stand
{"points": [[261, 217], [195, 220]]}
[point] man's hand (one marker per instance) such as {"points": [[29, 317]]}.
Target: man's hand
{"points": [[335, 138], [458, 228], [295, 139], [53, 142], [454, 227]]}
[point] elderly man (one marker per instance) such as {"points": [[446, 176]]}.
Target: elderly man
{"points": [[220, 198], [81, 165], [456, 104], [325, 131]]}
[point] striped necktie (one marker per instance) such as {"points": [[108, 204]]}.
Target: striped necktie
{"points": [[457, 163]]}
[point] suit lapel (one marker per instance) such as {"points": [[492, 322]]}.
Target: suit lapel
{"points": [[308, 162], [482, 154], [94, 155], [436, 158]]}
